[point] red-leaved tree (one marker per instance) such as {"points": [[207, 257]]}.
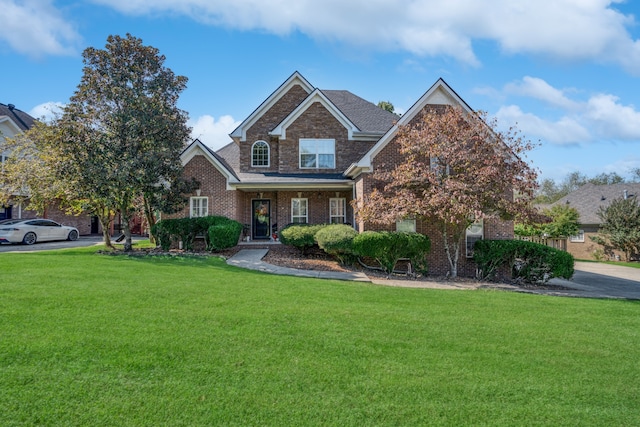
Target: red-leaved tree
{"points": [[458, 168]]}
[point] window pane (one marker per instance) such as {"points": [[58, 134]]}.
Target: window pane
{"points": [[308, 160], [325, 161]]}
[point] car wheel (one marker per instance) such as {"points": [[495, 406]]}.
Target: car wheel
{"points": [[29, 238], [73, 235]]}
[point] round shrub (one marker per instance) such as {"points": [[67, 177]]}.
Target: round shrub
{"points": [[337, 241], [302, 236], [389, 247]]}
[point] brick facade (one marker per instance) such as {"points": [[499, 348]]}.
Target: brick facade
{"points": [[259, 131], [213, 185]]}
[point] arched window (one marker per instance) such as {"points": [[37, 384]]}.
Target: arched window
{"points": [[260, 154]]}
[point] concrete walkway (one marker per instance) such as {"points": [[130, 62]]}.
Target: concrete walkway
{"points": [[591, 280], [252, 260]]}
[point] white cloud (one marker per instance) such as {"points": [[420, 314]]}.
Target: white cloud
{"points": [[619, 121], [36, 28], [600, 117], [566, 130], [564, 29], [46, 111], [539, 89], [212, 133]]}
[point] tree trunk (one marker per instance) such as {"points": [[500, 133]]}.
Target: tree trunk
{"points": [[151, 219], [126, 230], [105, 218], [452, 249]]}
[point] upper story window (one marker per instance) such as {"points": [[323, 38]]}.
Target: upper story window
{"points": [[260, 154], [317, 153]]}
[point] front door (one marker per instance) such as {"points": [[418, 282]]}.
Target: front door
{"points": [[261, 224]]}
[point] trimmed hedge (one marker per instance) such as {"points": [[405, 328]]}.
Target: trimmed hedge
{"points": [[302, 236], [337, 241], [185, 230], [528, 261], [388, 247], [224, 236]]}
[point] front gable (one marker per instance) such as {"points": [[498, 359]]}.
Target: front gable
{"points": [[316, 97], [439, 94], [273, 109], [197, 148]]}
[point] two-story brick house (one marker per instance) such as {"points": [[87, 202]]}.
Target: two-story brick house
{"points": [[303, 156]]}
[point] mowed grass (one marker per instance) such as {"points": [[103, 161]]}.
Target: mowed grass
{"points": [[88, 339]]}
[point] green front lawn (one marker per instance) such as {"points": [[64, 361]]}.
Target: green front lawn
{"points": [[99, 340]]}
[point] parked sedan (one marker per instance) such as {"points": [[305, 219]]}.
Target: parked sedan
{"points": [[30, 231]]}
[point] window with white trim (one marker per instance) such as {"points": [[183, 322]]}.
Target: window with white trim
{"points": [[338, 210], [474, 232], [317, 153], [260, 154], [578, 238], [406, 225], [199, 206], [299, 211]]}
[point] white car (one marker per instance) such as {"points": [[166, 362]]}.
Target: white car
{"points": [[30, 231]]}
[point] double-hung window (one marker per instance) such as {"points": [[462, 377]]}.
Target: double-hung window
{"points": [[199, 206], [317, 153], [299, 211], [578, 238], [337, 210]]}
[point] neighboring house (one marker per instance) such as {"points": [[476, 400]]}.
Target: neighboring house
{"points": [[304, 155], [588, 200], [13, 122]]}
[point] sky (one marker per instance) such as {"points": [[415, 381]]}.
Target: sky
{"points": [[566, 73]]}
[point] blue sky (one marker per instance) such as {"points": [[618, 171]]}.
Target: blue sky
{"points": [[565, 72]]}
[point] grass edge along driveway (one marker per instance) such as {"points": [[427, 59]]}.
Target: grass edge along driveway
{"points": [[89, 339]]}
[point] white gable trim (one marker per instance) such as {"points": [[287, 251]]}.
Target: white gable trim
{"points": [[197, 148], [10, 124], [439, 94], [295, 79], [316, 96]]}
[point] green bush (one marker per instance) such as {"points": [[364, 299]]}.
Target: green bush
{"points": [[224, 236], [337, 241], [302, 236], [528, 261], [169, 231], [388, 248], [185, 230]]}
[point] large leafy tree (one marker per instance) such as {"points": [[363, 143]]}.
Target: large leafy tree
{"points": [[458, 168], [620, 226], [122, 130], [561, 221]]}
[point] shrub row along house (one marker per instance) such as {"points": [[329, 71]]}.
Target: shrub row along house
{"points": [[304, 155]]}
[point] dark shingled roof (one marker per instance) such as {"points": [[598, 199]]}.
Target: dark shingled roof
{"points": [[366, 116], [19, 117], [588, 199]]}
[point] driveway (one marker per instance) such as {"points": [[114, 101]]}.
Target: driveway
{"points": [[597, 280], [47, 246]]}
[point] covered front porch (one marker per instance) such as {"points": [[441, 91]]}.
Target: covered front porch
{"points": [[268, 207]]}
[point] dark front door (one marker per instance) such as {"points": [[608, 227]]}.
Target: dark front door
{"points": [[261, 224]]}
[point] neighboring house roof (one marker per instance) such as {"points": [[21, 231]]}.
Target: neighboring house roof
{"points": [[21, 119], [588, 199], [438, 94]]}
